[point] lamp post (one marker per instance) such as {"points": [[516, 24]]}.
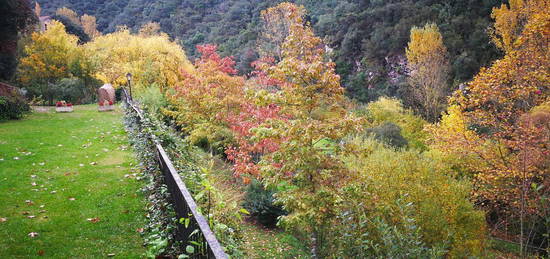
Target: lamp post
{"points": [[129, 78]]}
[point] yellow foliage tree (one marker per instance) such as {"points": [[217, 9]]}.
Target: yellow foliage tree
{"points": [[310, 95], [89, 25], [69, 13], [510, 19], [47, 58], [152, 60], [37, 9], [428, 70], [276, 22], [48, 54], [150, 29]]}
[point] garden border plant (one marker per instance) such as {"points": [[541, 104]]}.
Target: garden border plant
{"points": [[159, 233], [224, 222]]}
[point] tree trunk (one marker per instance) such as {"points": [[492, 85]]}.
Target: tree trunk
{"points": [[314, 245]]}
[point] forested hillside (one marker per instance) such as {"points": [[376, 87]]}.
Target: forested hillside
{"points": [[368, 37]]}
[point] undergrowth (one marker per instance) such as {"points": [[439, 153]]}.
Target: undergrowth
{"points": [[224, 219]]}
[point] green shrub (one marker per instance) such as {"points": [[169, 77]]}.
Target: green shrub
{"points": [[72, 90], [390, 134], [65, 89], [12, 104], [153, 100], [442, 210], [12, 108], [368, 236], [213, 138], [259, 202], [225, 217], [386, 110]]}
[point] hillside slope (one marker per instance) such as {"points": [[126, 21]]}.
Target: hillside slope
{"points": [[369, 37]]}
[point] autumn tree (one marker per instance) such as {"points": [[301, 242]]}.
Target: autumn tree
{"points": [[247, 152], [311, 96], [497, 127], [428, 70], [37, 9], [205, 96], [276, 24], [47, 59], [89, 25], [509, 20], [150, 29], [69, 13], [86, 23], [154, 61]]}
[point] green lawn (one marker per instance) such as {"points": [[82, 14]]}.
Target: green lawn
{"points": [[68, 177]]}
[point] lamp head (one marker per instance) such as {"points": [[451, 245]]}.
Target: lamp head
{"points": [[129, 76]]}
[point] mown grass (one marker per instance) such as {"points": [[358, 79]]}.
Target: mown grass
{"points": [[68, 178]]}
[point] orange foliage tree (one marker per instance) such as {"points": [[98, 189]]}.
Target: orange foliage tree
{"points": [[305, 167], [205, 97], [499, 126]]}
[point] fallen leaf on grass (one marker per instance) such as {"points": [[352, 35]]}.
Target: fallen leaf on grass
{"points": [[93, 163], [33, 176], [33, 234], [139, 230], [40, 252], [110, 255], [72, 199], [52, 192], [31, 216], [16, 158], [42, 206], [25, 213], [29, 202], [33, 184], [3, 219], [93, 220], [42, 211]]}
